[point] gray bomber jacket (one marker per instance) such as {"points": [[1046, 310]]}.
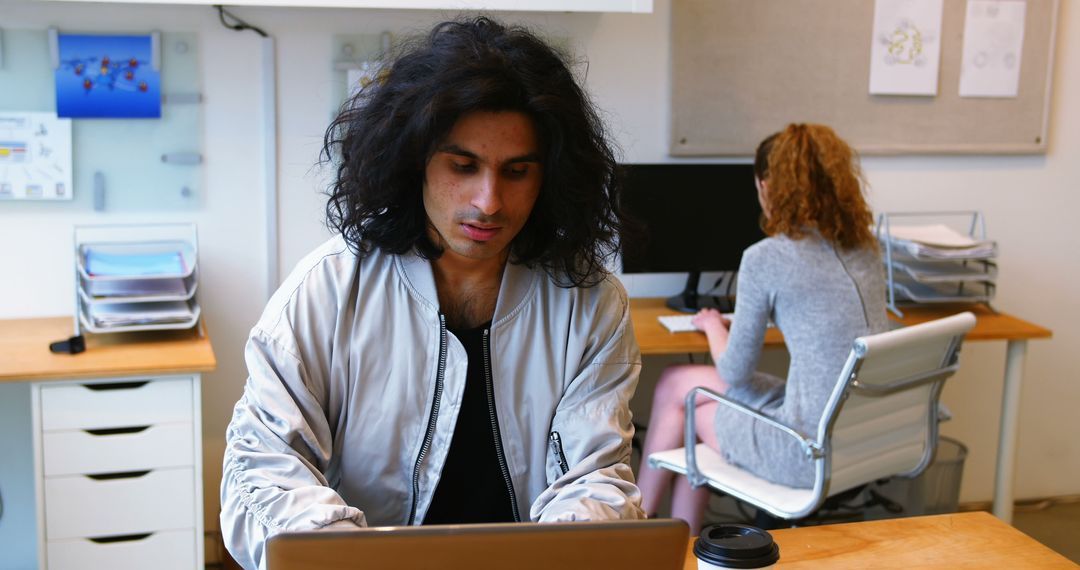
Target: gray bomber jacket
{"points": [[355, 384]]}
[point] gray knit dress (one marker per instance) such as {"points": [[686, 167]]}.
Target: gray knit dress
{"points": [[821, 298]]}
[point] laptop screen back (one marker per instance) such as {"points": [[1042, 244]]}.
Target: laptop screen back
{"points": [[659, 544]]}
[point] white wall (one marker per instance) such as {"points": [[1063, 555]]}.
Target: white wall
{"points": [[1030, 204]]}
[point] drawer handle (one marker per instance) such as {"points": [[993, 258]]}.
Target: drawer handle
{"points": [[116, 385], [116, 431], [120, 538], [118, 475]]}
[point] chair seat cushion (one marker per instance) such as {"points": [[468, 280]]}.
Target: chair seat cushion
{"points": [[781, 501]]}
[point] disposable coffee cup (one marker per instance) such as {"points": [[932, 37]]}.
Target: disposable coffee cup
{"points": [[732, 545]]}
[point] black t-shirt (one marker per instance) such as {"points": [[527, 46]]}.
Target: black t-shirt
{"points": [[472, 488]]}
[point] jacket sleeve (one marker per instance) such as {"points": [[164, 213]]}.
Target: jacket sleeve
{"points": [[588, 465], [278, 447]]}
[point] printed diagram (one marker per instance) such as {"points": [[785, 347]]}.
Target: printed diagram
{"points": [[905, 45], [35, 157]]}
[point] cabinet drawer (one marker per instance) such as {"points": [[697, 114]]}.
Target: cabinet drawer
{"points": [[78, 452], [116, 404], [169, 550], [79, 506]]}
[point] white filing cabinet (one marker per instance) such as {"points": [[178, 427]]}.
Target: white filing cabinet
{"points": [[118, 466]]}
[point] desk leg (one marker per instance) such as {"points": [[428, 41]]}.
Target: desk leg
{"points": [[1010, 412]]}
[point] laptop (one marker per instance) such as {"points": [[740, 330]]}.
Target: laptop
{"points": [[655, 544]]}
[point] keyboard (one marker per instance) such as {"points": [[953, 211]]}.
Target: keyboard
{"points": [[681, 323]]}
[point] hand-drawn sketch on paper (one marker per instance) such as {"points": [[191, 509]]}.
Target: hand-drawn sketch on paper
{"points": [[993, 44], [906, 47]]}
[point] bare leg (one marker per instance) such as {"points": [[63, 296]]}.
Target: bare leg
{"points": [[666, 424], [688, 503]]}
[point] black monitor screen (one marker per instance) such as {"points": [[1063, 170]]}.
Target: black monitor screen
{"points": [[696, 217]]}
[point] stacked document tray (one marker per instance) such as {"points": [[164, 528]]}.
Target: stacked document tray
{"points": [[136, 285], [934, 263]]}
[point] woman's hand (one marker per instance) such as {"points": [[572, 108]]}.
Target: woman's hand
{"points": [[711, 322], [715, 327]]}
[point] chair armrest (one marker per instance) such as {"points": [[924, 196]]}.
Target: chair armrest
{"points": [[812, 448]]}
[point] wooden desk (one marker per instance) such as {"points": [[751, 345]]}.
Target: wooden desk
{"points": [[117, 443], [653, 338], [25, 346], [963, 540]]}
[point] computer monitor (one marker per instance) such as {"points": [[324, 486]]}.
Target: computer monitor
{"points": [[695, 218]]}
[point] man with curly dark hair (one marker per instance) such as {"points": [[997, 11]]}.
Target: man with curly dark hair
{"points": [[457, 353]]}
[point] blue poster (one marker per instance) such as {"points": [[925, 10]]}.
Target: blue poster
{"points": [[107, 77]]}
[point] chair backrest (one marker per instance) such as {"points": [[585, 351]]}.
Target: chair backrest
{"points": [[881, 419]]}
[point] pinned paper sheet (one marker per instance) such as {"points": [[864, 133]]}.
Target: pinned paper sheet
{"points": [[35, 157], [993, 45], [906, 47]]}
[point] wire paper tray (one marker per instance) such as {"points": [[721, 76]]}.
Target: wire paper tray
{"points": [[933, 262], [982, 292], [90, 325], [136, 277], [941, 271], [986, 250], [102, 291], [140, 254]]}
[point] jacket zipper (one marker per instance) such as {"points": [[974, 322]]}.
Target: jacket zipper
{"points": [[556, 447], [430, 433], [495, 424]]}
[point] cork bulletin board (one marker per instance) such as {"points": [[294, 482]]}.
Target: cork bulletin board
{"points": [[742, 69]]}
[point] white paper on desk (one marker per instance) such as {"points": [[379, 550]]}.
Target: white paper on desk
{"points": [[905, 50], [993, 46]]}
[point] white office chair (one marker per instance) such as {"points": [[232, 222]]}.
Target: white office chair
{"points": [[880, 421]]}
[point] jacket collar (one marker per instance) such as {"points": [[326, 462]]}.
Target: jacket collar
{"points": [[517, 285]]}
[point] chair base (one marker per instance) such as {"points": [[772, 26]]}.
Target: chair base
{"points": [[841, 508]]}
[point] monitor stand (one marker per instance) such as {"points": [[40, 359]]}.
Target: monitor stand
{"points": [[689, 301]]}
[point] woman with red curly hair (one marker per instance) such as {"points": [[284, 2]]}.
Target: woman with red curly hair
{"points": [[819, 278]]}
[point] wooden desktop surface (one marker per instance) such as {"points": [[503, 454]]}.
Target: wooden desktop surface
{"points": [[653, 338], [961, 540], [24, 346]]}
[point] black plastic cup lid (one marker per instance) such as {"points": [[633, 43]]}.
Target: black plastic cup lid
{"points": [[732, 545]]}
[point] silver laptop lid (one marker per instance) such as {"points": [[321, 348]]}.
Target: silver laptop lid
{"points": [[658, 544]]}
